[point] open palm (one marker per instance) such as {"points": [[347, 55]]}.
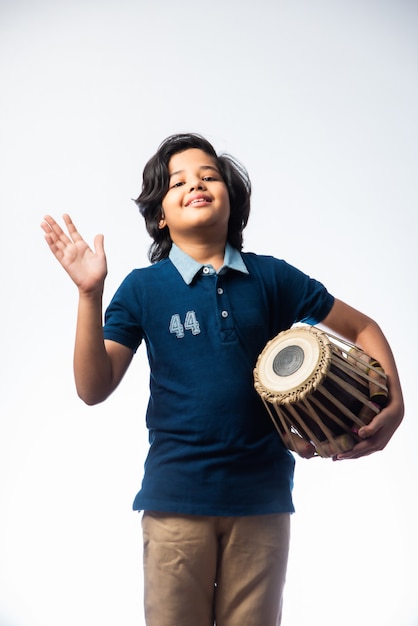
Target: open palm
{"points": [[86, 267]]}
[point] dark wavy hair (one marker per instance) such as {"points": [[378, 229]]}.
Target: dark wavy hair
{"points": [[155, 185]]}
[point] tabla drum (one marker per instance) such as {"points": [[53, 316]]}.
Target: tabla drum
{"points": [[318, 390]]}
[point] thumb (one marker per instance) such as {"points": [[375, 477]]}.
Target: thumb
{"points": [[371, 429], [99, 244]]}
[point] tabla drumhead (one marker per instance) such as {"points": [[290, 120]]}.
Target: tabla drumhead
{"points": [[290, 361]]}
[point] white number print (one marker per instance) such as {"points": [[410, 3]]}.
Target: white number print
{"points": [[190, 323], [176, 327]]}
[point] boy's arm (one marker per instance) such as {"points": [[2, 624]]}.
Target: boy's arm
{"points": [[98, 365], [365, 333]]}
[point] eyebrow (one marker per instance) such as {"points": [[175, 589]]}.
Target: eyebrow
{"points": [[201, 167]]}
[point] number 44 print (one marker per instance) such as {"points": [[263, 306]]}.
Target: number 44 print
{"points": [[190, 323]]}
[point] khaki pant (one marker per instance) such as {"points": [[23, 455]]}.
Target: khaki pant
{"points": [[201, 571]]}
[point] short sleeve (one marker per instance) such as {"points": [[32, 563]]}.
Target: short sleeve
{"points": [[123, 315]]}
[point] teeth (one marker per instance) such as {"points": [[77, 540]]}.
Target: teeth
{"points": [[198, 200]]}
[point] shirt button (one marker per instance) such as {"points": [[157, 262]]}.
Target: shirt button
{"points": [[224, 313], [220, 291], [206, 270]]}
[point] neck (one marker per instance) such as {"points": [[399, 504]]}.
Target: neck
{"points": [[207, 253]]}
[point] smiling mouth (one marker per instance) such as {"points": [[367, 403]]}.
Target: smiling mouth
{"points": [[200, 200]]}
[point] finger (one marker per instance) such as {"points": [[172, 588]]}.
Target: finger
{"points": [[357, 452], [55, 237], [99, 244], [371, 429], [363, 448], [50, 235], [52, 227], [48, 223], [367, 431], [72, 230]]}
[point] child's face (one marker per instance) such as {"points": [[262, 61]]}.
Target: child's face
{"points": [[197, 200]]}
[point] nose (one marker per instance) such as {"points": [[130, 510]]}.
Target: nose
{"points": [[197, 184]]}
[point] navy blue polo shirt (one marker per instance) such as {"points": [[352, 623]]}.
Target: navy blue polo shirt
{"points": [[213, 448]]}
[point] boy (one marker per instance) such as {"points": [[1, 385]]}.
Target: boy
{"points": [[216, 492]]}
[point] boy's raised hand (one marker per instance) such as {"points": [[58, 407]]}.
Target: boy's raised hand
{"points": [[86, 267]]}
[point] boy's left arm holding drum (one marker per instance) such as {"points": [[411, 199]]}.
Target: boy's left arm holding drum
{"points": [[364, 332]]}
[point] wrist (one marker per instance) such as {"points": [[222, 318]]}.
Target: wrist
{"points": [[91, 295]]}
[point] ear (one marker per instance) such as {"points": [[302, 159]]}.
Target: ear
{"points": [[162, 223]]}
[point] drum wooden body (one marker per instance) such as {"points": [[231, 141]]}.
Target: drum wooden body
{"points": [[318, 390]]}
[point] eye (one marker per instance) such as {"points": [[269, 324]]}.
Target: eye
{"points": [[177, 184], [209, 178]]}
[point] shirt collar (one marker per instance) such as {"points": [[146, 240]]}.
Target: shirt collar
{"points": [[188, 267]]}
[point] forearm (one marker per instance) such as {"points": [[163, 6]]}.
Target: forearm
{"points": [[372, 340], [366, 333], [92, 365]]}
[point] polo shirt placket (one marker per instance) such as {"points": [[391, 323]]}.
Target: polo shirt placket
{"points": [[223, 306]]}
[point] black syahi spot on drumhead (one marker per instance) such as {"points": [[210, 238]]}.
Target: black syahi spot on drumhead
{"points": [[288, 361]]}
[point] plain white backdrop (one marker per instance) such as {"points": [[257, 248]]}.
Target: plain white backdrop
{"points": [[319, 101]]}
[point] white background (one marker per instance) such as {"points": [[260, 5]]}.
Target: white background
{"points": [[319, 100]]}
